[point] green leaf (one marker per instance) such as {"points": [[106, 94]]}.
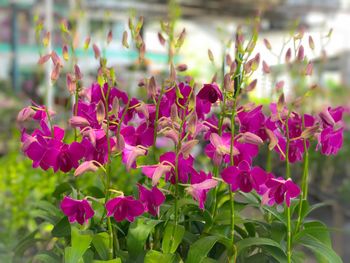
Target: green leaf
{"points": [[62, 188], [116, 260], [80, 243], [101, 242], [199, 249], [255, 241], [317, 230], [154, 256], [320, 249], [138, 233], [46, 257], [275, 213], [250, 228], [276, 253], [25, 243], [172, 238], [62, 228]]}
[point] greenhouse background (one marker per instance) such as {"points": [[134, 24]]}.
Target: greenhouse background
{"points": [[208, 23]]}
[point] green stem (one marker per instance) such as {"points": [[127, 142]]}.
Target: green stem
{"points": [[288, 175], [304, 183]]}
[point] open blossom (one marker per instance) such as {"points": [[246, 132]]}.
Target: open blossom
{"points": [[47, 150], [77, 210], [200, 185], [330, 141], [280, 190], [219, 147], [151, 199], [210, 92], [124, 207], [243, 177], [142, 135], [252, 121], [129, 155]]}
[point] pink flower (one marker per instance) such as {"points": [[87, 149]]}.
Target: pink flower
{"points": [[280, 190], [243, 177], [200, 185], [210, 92], [151, 199], [124, 207], [219, 148], [330, 141], [77, 210]]}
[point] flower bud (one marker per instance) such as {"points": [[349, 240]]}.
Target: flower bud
{"points": [[109, 37], [65, 53], [44, 59], [279, 85], [97, 52], [87, 43], [125, 39], [309, 69], [210, 55], [272, 137], [161, 39], [311, 43], [71, 85], [78, 121], [100, 111], [55, 72], [25, 114], [228, 83], [266, 68], [181, 67], [87, 166], [228, 60], [251, 85], [152, 88], [288, 55], [233, 67], [77, 72], [300, 54], [267, 44], [249, 137]]}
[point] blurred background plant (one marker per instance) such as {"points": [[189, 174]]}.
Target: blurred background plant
{"points": [[209, 24]]}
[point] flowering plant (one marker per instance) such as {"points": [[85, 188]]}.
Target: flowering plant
{"points": [[190, 155]]}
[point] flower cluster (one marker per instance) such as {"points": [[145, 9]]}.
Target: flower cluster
{"points": [[175, 118]]}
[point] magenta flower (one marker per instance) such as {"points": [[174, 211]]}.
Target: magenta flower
{"points": [[243, 177], [219, 147], [280, 190], [210, 92], [200, 185], [143, 135], [129, 155], [124, 207], [77, 210], [151, 199], [253, 121], [330, 141]]}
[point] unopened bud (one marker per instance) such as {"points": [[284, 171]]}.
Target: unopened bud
{"points": [[228, 83], [87, 43], [309, 69], [300, 54], [100, 111], [55, 72], [249, 137], [125, 39], [272, 138], [267, 44], [161, 39], [288, 55], [152, 88], [233, 67], [109, 36], [187, 148], [87, 166], [44, 59], [266, 68], [181, 67], [210, 55], [228, 60], [97, 52], [71, 85], [251, 85], [65, 53], [311, 43], [25, 114], [78, 121], [279, 85], [77, 72]]}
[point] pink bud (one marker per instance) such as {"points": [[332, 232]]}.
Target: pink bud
{"points": [[96, 51], [44, 59], [309, 69], [228, 59], [152, 88], [288, 55], [266, 68], [125, 39], [172, 135], [55, 58], [55, 72], [251, 85], [300, 54], [272, 137], [87, 43], [233, 67], [77, 72], [71, 85], [87, 166], [77, 121], [279, 85], [65, 53], [25, 114], [161, 39], [109, 36], [249, 137], [181, 67], [100, 111]]}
